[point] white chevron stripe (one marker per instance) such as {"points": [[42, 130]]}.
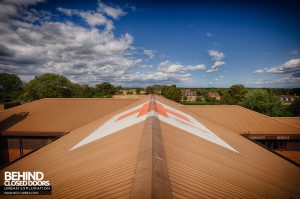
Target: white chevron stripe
{"points": [[192, 126]]}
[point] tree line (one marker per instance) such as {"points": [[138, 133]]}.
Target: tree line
{"points": [[262, 100], [49, 85]]}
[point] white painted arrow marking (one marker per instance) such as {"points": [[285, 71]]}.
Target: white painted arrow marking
{"points": [[164, 113]]}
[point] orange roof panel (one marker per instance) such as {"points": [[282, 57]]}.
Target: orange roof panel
{"points": [[197, 167], [290, 120], [57, 114], [242, 120]]}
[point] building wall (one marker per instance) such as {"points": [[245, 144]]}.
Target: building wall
{"points": [[191, 98]]}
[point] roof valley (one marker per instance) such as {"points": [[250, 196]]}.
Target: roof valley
{"points": [[151, 170]]}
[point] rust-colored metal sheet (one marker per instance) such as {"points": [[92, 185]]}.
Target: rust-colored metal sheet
{"points": [[292, 155], [199, 169], [290, 120], [196, 166], [242, 120], [151, 171], [56, 115], [104, 169]]}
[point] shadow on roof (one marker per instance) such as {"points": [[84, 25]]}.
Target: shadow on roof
{"points": [[12, 120]]}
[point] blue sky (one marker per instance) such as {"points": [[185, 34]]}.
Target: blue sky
{"points": [[139, 43]]}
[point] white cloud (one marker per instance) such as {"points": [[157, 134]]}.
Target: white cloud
{"points": [[196, 67], [289, 72], [291, 66], [149, 53], [157, 76], [31, 43], [113, 12], [92, 18], [85, 55], [146, 66], [216, 66], [68, 12], [294, 52], [217, 57], [259, 71], [282, 80], [209, 34], [169, 67], [11, 7], [167, 72]]}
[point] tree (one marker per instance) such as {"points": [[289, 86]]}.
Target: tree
{"points": [[149, 90], [87, 91], [119, 89], [172, 93], [105, 89], [295, 107], [47, 85], [154, 89], [237, 93], [138, 91], [226, 98], [76, 90], [264, 102], [10, 87]]}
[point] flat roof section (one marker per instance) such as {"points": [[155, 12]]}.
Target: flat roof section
{"points": [[242, 120], [56, 115], [290, 120]]}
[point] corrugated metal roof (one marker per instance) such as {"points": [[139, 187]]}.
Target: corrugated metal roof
{"points": [[290, 120], [104, 169], [56, 114], [242, 120], [197, 168]]}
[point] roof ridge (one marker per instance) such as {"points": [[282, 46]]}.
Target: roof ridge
{"points": [[151, 169]]}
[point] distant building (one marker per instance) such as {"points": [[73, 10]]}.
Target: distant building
{"points": [[142, 92], [189, 95], [122, 92], [214, 95], [128, 92], [287, 99], [157, 92], [131, 92]]}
